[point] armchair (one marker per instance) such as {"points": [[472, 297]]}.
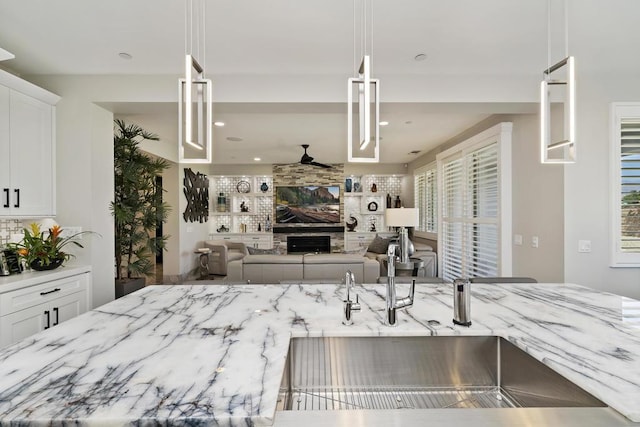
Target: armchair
{"points": [[223, 252]]}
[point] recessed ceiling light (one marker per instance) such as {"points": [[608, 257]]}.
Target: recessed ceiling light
{"points": [[408, 122], [384, 123], [125, 55], [257, 159], [414, 152], [420, 57], [219, 124], [234, 138]]}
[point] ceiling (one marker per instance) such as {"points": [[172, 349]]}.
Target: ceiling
{"points": [[313, 39]]}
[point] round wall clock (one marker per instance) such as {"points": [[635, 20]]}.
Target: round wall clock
{"points": [[243, 187]]}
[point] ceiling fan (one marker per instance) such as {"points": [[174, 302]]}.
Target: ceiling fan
{"points": [[308, 160]]}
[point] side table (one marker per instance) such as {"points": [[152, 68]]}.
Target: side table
{"points": [[204, 262]]}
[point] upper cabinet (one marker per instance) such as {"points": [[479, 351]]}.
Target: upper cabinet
{"points": [[27, 149]]}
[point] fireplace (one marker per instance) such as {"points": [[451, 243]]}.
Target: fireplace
{"points": [[307, 244]]}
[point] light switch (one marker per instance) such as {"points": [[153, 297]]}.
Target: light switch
{"points": [[534, 241], [517, 239], [584, 246]]}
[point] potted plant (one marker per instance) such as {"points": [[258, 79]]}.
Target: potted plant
{"points": [[137, 207], [44, 250]]}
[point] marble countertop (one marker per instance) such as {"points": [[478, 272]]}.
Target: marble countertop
{"points": [[214, 354]]}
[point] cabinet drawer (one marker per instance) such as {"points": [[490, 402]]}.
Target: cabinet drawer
{"points": [[20, 299]]}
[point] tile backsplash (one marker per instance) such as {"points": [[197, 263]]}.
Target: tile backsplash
{"points": [[9, 227]]}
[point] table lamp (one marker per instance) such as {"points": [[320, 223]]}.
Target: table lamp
{"points": [[402, 217]]}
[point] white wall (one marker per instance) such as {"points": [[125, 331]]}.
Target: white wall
{"points": [[587, 188], [537, 196]]}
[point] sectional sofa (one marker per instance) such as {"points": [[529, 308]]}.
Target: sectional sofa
{"points": [[308, 267]]}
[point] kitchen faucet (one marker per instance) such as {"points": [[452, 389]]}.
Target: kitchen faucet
{"points": [[349, 306], [393, 302]]}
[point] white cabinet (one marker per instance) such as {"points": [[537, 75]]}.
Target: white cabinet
{"points": [[41, 305], [255, 240], [261, 241], [27, 153]]}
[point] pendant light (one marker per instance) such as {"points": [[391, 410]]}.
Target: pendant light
{"points": [[195, 106], [560, 75], [366, 101]]}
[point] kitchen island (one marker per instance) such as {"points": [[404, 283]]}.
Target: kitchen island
{"points": [[215, 354]]}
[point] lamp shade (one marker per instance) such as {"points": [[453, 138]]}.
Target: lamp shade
{"points": [[401, 217]]}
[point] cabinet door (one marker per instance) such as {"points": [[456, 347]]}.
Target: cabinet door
{"points": [[5, 152], [24, 323], [67, 307], [31, 137]]}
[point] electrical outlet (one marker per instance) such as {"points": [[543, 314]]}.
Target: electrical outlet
{"points": [[535, 242], [584, 246], [70, 231], [517, 239]]}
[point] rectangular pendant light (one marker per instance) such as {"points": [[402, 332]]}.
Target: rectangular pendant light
{"points": [[564, 150], [195, 112], [367, 131]]}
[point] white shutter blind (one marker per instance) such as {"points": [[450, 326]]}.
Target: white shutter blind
{"points": [[470, 214], [425, 197], [630, 185], [431, 201], [452, 218], [420, 200], [482, 212]]}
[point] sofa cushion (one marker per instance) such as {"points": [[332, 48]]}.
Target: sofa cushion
{"points": [[378, 245], [333, 259], [272, 259]]}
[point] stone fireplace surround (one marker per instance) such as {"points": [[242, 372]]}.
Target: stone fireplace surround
{"points": [[299, 175]]}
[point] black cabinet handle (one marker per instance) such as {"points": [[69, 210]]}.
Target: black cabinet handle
{"points": [[50, 292], [55, 310], [46, 313], [17, 191], [6, 198]]}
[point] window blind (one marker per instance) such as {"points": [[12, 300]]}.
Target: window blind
{"points": [[470, 214], [630, 185], [425, 197]]}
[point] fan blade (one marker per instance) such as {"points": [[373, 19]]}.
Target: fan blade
{"points": [[322, 165]]}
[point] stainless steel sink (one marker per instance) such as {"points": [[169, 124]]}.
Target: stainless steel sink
{"points": [[420, 373]]}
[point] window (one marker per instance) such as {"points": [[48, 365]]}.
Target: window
{"points": [[625, 119], [425, 197], [475, 213]]}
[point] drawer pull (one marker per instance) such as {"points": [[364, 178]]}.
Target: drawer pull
{"points": [[46, 313], [50, 292], [17, 204], [6, 200], [57, 313]]}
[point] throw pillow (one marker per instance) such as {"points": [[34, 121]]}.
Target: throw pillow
{"points": [[258, 251], [359, 251], [378, 245]]}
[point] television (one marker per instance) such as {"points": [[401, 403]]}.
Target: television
{"points": [[309, 204]]}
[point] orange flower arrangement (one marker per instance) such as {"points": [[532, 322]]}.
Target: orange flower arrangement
{"points": [[38, 250]]}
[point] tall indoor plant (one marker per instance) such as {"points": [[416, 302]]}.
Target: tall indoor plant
{"points": [[137, 204]]}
